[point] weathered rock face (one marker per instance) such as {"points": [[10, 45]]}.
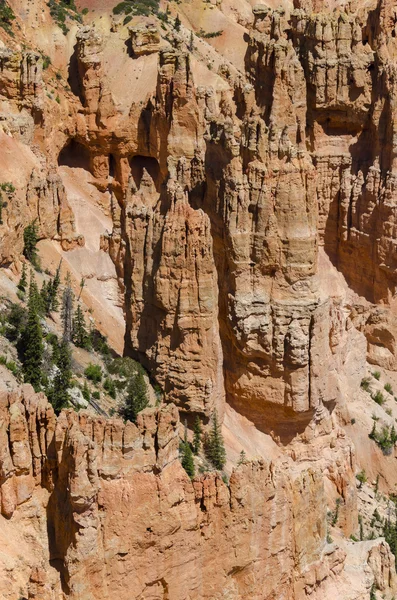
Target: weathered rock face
{"points": [[297, 153], [243, 200], [123, 517], [145, 39], [39, 194]]}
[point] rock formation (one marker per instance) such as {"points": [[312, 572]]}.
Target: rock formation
{"points": [[251, 196], [86, 478]]}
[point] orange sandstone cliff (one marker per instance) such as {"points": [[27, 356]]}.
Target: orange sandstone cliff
{"points": [[230, 201]]}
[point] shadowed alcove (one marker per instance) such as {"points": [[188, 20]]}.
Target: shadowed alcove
{"points": [[75, 155], [138, 163]]}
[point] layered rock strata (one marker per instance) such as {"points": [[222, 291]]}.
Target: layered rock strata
{"points": [[122, 516]]}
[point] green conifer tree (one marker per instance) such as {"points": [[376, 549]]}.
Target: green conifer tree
{"points": [[393, 435], [82, 285], [23, 282], [45, 297], [59, 394], [137, 397], [216, 453], [67, 310], [54, 290], [30, 239], [80, 333], [177, 23], [32, 340], [197, 432], [86, 392], [242, 458], [186, 456]]}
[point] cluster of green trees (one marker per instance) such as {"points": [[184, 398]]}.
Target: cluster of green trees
{"points": [[137, 7], [390, 535], [136, 396], [51, 373], [28, 332], [7, 16], [212, 444], [47, 360], [30, 239], [61, 10], [385, 439]]}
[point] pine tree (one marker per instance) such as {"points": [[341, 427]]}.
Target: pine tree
{"points": [[80, 333], [197, 431], [58, 394], [53, 292], [216, 453], [67, 310], [82, 285], [393, 435], [177, 23], [30, 239], [32, 340], [137, 397], [86, 392], [23, 282], [187, 461], [45, 297], [242, 459]]}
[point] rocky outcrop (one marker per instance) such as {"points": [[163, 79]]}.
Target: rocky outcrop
{"points": [[145, 39], [252, 206], [39, 194], [89, 477], [282, 163]]}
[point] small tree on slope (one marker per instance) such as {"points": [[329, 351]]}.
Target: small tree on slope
{"points": [[137, 397], [216, 453], [197, 432], [32, 340], [59, 395]]}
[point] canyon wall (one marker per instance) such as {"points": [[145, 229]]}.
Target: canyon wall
{"points": [[253, 238], [111, 511]]}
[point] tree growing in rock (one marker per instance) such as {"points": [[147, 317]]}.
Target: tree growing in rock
{"points": [[186, 455], [67, 310], [81, 337], [45, 297], [242, 458], [197, 432], [187, 461], [58, 393], [32, 340], [361, 478], [23, 282], [137, 397], [215, 449], [54, 289], [30, 239], [82, 285]]}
